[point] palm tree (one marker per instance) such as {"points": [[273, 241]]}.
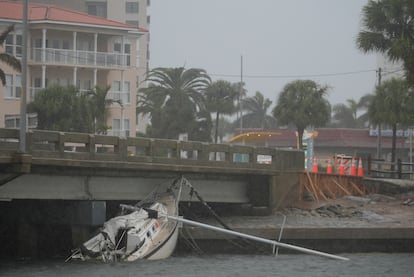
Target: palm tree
{"points": [[99, 107], [303, 103], [179, 94], [392, 104], [220, 98], [256, 112], [363, 104], [346, 114], [151, 105], [7, 58], [388, 28]]}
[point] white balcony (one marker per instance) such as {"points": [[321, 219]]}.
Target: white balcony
{"points": [[77, 57]]}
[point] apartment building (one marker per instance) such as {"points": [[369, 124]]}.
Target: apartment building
{"points": [[67, 47], [127, 11]]}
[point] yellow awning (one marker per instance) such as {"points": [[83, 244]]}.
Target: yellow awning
{"points": [[260, 136]]}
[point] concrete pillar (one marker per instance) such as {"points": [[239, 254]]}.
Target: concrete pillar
{"points": [[284, 190], [95, 77], [75, 70], [43, 76], [95, 46], [44, 45]]}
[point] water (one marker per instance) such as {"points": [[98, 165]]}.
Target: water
{"points": [[360, 265]]}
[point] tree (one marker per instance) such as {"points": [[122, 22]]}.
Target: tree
{"points": [[220, 98], [392, 105], [255, 115], [346, 115], [99, 107], [179, 95], [388, 28], [62, 109], [7, 58], [303, 103]]}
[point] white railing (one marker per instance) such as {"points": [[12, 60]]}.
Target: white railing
{"points": [[78, 57]]}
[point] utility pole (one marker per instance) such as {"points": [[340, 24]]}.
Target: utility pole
{"points": [[241, 94], [23, 97], [379, 129]]}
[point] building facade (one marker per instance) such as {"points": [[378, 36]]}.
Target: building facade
{"points": [[127, 11], [67, 47]]}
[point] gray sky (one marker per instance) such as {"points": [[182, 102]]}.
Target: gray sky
{"points": [[301, 38]]}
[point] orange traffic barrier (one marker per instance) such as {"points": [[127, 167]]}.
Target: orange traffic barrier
{"points": [[353, 167], [341, 167], [315, 165], [360, 169], [329, 168]]}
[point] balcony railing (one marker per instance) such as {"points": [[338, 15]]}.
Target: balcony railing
{"points": [[123, 96], [78, 57]]}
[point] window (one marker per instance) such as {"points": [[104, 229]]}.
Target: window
{"points": [[18, 46], [97, 9], [9, 44], [126, 127], [13, 87], [18, 86], [131, 7], [117, 47], [116, 85], [13, 120], [8, 92], [127, 92], [13, 45], [127, 51]]}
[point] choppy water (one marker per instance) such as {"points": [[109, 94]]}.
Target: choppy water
{"points": [[360, 265]]}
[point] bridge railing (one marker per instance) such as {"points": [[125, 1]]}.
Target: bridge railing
{"points": [[386, 169], [92, 147]]}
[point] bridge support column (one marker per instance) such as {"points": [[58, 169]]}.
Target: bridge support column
{"points": [[284, 190]]}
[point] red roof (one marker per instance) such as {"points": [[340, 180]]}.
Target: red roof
{"points": [[38, 12], [328, 137]]}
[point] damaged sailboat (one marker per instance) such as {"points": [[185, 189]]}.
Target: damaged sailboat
{"points": [[138, 233]]}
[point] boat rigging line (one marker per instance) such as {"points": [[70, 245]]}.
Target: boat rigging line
{"points": [[251, 237]]}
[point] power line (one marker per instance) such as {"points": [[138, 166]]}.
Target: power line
{"points": [[294, 76]]}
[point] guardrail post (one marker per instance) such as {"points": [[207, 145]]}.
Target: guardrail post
{"points": [[61, 144], [91, 146], [399, 168], [122, 149], [369, 164], [29, 135]]}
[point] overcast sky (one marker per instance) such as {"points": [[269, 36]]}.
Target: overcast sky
{"points": [[301, 39]]}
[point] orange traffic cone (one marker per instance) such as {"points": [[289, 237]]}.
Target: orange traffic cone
{"points": [[315, 165], [329, 168], [360, 169], [353, 167], [341, 167]]}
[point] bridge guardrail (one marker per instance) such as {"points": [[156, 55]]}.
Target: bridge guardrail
{"points": [[386, 169], [43, 144]]}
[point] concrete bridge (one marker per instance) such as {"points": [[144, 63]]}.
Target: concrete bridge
{"points": [[77, 166]]}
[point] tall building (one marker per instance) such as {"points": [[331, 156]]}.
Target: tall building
{"points": [[67, 47], [127, 11]]}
